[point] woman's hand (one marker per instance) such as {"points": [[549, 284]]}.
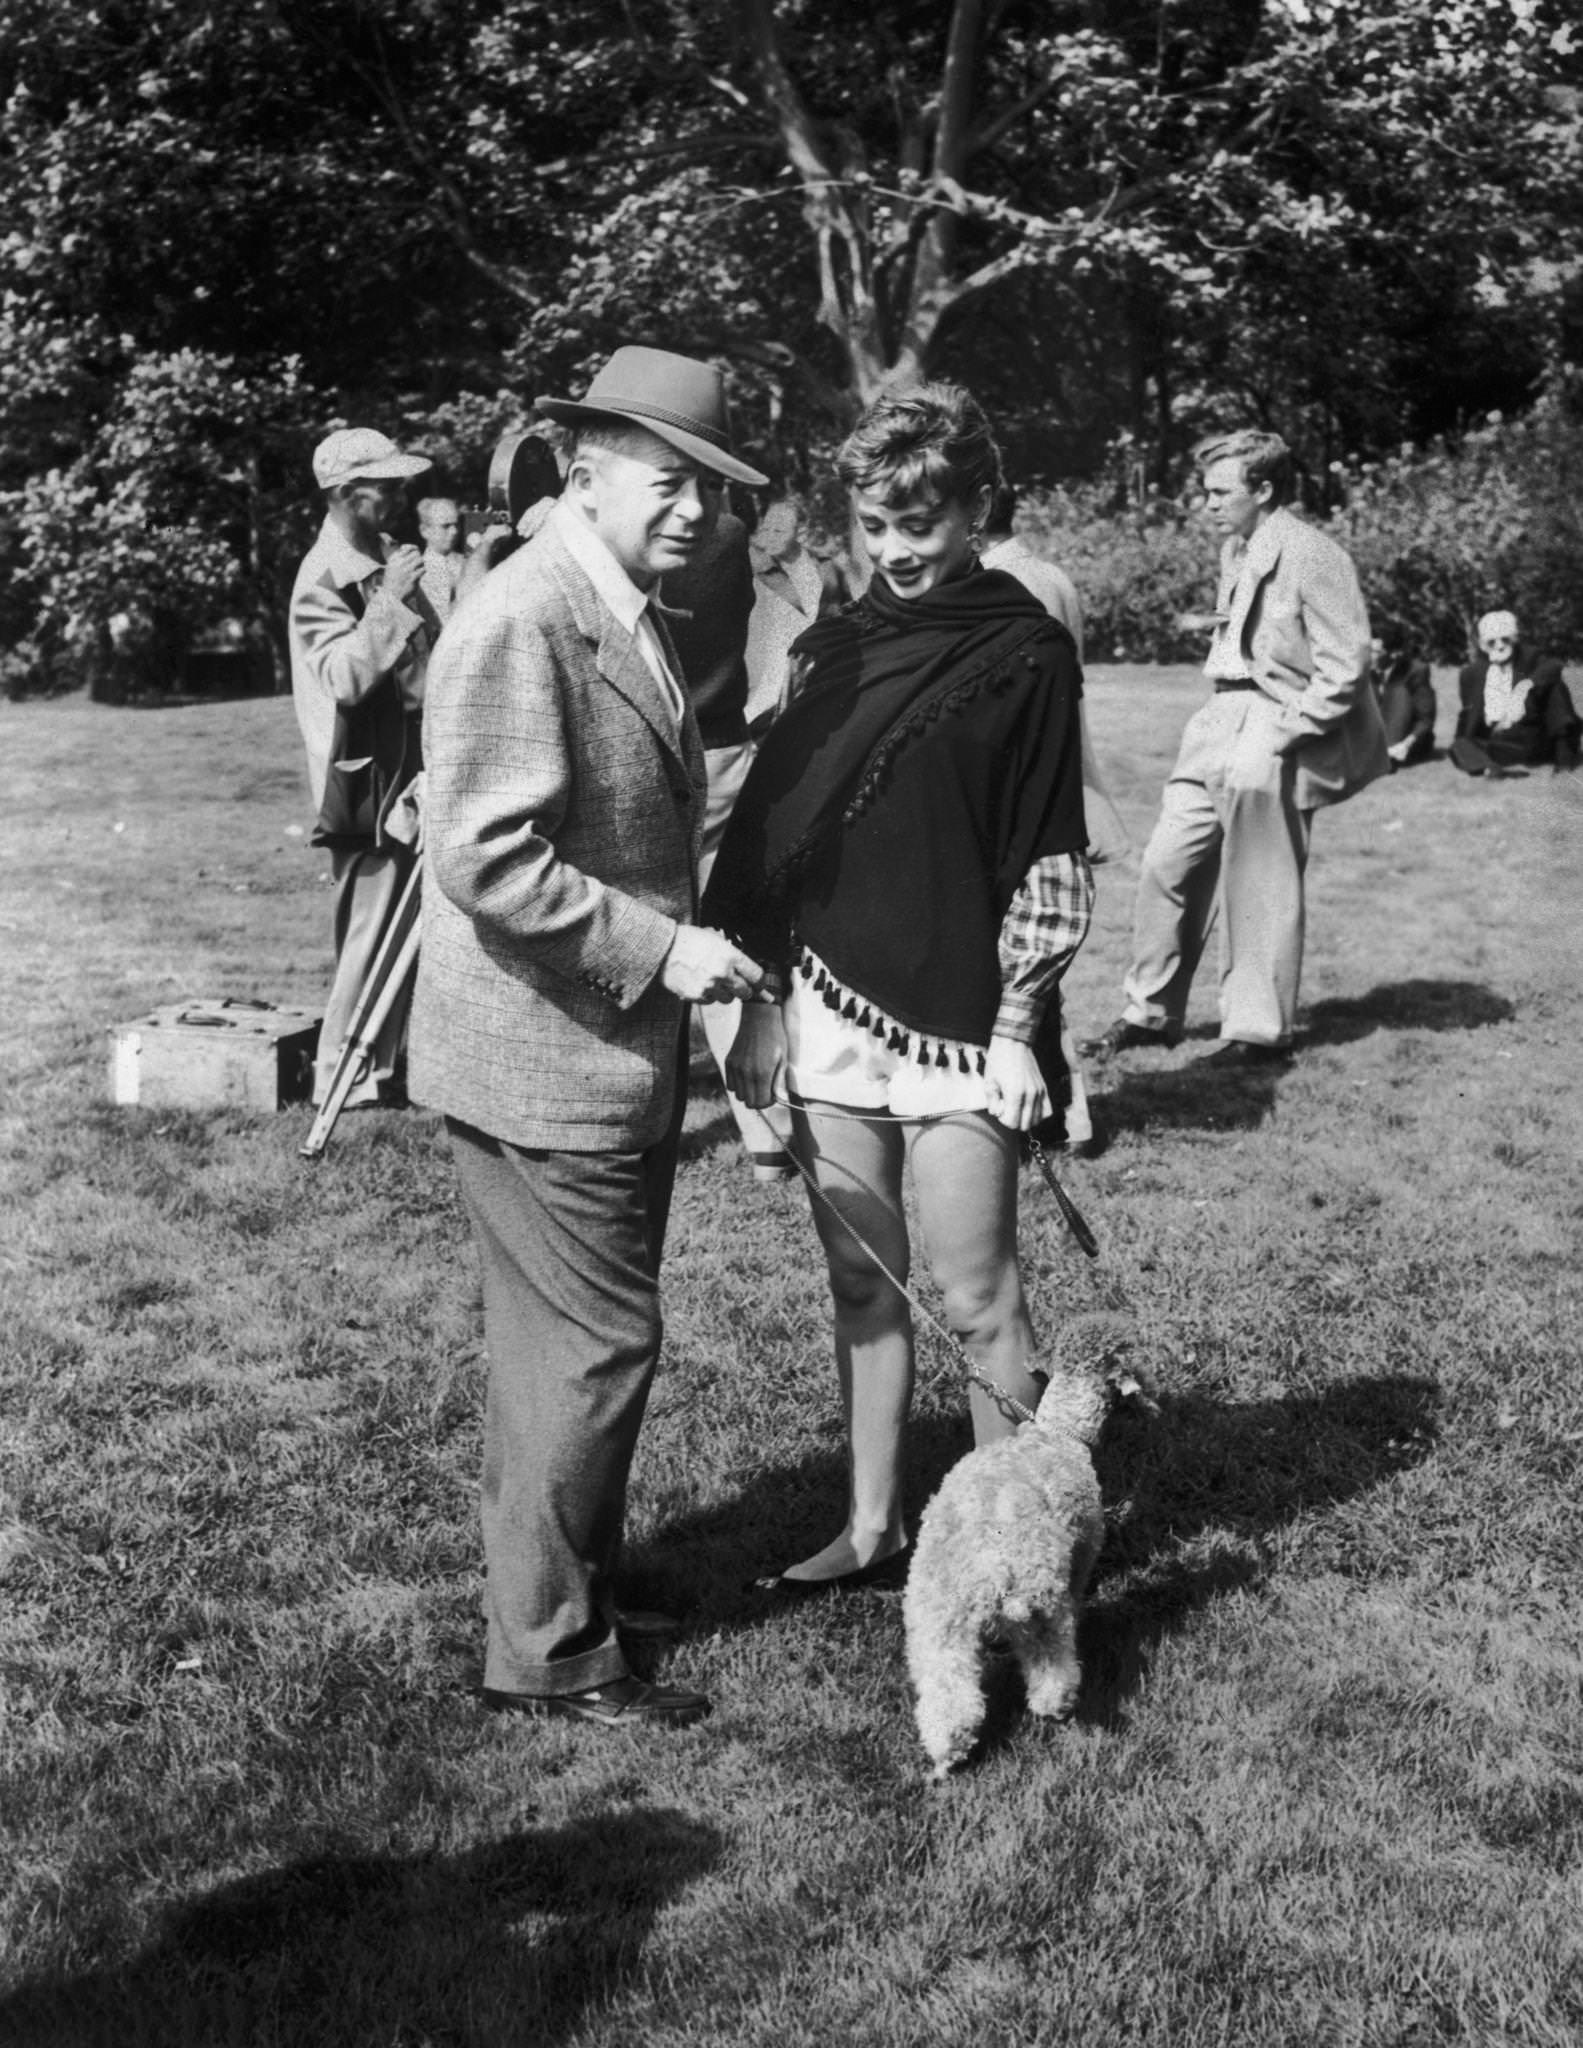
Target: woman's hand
{"points": [[1013, 1086], [757, 1058]]}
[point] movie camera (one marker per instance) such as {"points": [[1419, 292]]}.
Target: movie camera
{"points": [[521, 471]]}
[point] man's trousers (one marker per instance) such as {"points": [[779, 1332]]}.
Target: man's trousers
{"points": [[570, 1247], [1229, 843], [368, 885]]}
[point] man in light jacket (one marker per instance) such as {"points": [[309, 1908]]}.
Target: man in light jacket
{"points": [[565, 804], [1292, 725]]}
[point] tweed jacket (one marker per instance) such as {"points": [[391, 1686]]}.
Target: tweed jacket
{"points": [[1298, 619], [563, 812]]}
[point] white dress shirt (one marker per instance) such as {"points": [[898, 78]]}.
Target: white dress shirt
{"points": [[617, 591]]}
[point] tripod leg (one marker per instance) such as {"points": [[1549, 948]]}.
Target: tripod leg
{"points": [[387, 977]]}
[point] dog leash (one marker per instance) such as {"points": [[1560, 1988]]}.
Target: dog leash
{"points": [[1071, 1215], [973, 1371]]}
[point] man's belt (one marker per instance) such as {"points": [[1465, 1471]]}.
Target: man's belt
{"points": [[1234, 683]]}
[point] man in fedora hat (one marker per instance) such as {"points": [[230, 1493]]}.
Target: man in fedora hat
{"points": [[358, 637], [565, 801]]}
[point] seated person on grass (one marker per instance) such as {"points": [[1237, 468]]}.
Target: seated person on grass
{"points": [[1516, 712], [1406, 697]]}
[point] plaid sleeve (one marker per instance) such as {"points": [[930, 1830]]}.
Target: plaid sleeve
{"points": [[1047, 922]]}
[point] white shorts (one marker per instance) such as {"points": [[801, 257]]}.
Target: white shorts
{"points": [[830, 1058]]}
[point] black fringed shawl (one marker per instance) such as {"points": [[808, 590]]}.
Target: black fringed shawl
{"points": [[930, 759]]}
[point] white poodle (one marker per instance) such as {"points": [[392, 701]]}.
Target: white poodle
{"points": [[1003, 1554]]}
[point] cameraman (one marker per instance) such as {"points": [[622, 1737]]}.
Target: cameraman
{"points": [[359, 647]]}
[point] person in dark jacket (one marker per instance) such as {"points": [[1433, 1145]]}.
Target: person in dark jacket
{"points": [[1406, 697], [1516, 712]]}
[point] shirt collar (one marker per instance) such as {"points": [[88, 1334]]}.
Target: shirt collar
{"points": [[614, 587]]}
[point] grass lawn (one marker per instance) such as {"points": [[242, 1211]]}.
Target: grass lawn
{"points": [[1326, 1780]]}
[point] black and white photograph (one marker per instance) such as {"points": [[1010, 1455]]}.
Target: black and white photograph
{"points": [[791, 1099]]}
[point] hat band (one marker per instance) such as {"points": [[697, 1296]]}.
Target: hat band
{"points": [[685, 420]]}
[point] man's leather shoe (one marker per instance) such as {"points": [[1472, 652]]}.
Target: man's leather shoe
{"points": [[1124, 1036], [620, 1703], [643, 1625], [1237, 1053]]}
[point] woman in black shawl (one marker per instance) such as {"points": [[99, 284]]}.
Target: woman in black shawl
{"points": [[907, 861]]}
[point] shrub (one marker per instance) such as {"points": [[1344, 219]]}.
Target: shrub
{"points": [[185, 507], [1495, 519], [1137, 570], [1440, 535]]}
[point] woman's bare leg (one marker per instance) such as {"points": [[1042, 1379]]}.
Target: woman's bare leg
{"points": [[858, 1166], [965, 1170]]}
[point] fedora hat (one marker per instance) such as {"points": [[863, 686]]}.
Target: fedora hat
{"points": [[681, 400]]}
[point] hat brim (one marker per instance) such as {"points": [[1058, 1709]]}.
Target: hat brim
{"points": [[567, 412], [391, 466]]}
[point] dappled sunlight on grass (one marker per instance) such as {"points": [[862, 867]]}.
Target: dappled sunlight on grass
{"points": [[1324, 1782]]}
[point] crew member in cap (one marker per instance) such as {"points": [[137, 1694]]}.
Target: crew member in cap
{"points": [[565, 801], [359, 635]]}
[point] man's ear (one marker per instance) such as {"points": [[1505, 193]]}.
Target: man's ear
{"points": [[582, 478]]}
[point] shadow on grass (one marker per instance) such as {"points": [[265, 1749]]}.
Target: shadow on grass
{"points": [[507, 1943], [1405, 1006], [1198, 1098], [1186, 1098], [707, 1137], [1208, 1481], [702, 1564]]}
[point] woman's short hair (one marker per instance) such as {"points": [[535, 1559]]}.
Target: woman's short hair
{"points": [[932, 441], [1264, 459], [1497, 626]]}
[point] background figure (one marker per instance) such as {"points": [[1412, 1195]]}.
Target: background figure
{"points": [[440, 528], [1292, 725], [908, 861], [1516, 712], [1405, 694], [359, 644], [1056, 591], [790, 591], [565, 803], [1051, 585], [708, 606]]}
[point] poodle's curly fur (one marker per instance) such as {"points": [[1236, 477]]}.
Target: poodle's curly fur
{"points": [[1005, 1548]]}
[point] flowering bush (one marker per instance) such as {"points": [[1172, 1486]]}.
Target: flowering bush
{"points": [[1494, 520], [1440, 535], [1137, 571]]}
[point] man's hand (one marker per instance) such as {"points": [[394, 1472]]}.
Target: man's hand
{"points": [[704, 967], [1398, 750], [1014, 1089], [403, 567]]}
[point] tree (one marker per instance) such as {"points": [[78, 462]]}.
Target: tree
{"points": [[1113, 217]]}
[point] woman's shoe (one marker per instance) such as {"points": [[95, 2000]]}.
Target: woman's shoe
{"points": [[884, 1572]]}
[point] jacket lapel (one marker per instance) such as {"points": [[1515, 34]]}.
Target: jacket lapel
{"points": [[1259, 558], [620, 662]]}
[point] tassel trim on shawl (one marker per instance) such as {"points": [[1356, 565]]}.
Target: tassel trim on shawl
{"points": [[896, 1037]]}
